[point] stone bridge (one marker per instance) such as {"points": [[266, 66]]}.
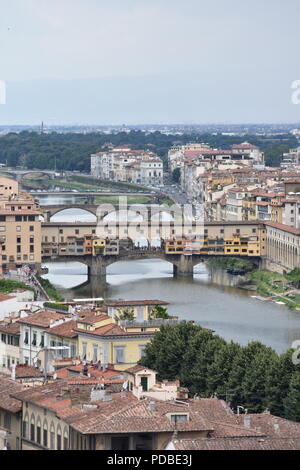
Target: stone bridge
{"points": [[147, 212], [19, 174], [182, 264]]}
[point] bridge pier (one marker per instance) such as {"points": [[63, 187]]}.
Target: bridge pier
{"points": [[97, 268], [184, 266]]}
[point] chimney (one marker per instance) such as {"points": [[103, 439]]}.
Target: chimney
{"points": [[151, 406], [13, 372], [247, 421]]}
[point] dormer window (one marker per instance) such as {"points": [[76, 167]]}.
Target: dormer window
{"points": [[179, 418]]}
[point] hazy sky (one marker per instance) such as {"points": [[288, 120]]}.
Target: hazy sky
{"points": [[137, 61]]}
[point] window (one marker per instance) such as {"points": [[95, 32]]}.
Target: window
{"points": [[7, 421], [58, 442], [179, 418], [31, 228], [34, 339], [32, 434], [52, 439], [84, 346], [26, 337], [120, 354], [42, 343], [2, 228], [31, 218], [142, 349], [95, 352], [45, 437], [18, 218], [73, 350], [38, 434], [25, 429], [18, 228]]}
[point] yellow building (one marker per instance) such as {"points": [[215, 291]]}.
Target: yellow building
{"points": [[242, 246], [277, 209], [101, 339], [98, 246]]}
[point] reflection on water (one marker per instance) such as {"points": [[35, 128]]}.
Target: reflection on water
{"points": [[231, 312]]}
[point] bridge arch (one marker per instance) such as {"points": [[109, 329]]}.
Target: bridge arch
{"points": [[35, 172], [51, 211]]}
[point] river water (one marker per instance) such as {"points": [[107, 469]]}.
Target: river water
{"points": [[230, 312]]}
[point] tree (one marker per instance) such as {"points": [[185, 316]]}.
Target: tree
{"points": [[294, 277], [220, 369], [277, 382], [159, 312], [259, 359], [126, 314], [292, 400], [166, 351]]}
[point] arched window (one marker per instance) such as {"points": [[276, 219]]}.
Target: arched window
{"points": [[32, 428], [58, 438], [25, 426], [45, 433], [66, 438], [38, 431], [52, 436]]}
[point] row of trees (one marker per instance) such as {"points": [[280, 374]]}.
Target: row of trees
{"points": [[71, 151], [253, 376]]}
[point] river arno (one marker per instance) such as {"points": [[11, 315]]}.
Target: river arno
{"points": [[231, 312]]}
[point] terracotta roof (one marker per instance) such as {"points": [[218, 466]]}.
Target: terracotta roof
{"points": [[94, 318], [11, 328], [128, 414], [65, 329], [8, 386], [238, 443], [121, 303], [137, 368], [113, 330], [244, 145], [93, 370], [271, 425], [106, 330], [284, 228], [4, 297], [23, 371], [42, 319]]}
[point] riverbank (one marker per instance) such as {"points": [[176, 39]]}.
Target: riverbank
{"points": [[52, 292], [277, 288], [270, 286]]}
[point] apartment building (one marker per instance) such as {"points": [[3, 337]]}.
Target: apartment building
{"points": [[20, 227], [127, 165], [33, 335]]}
